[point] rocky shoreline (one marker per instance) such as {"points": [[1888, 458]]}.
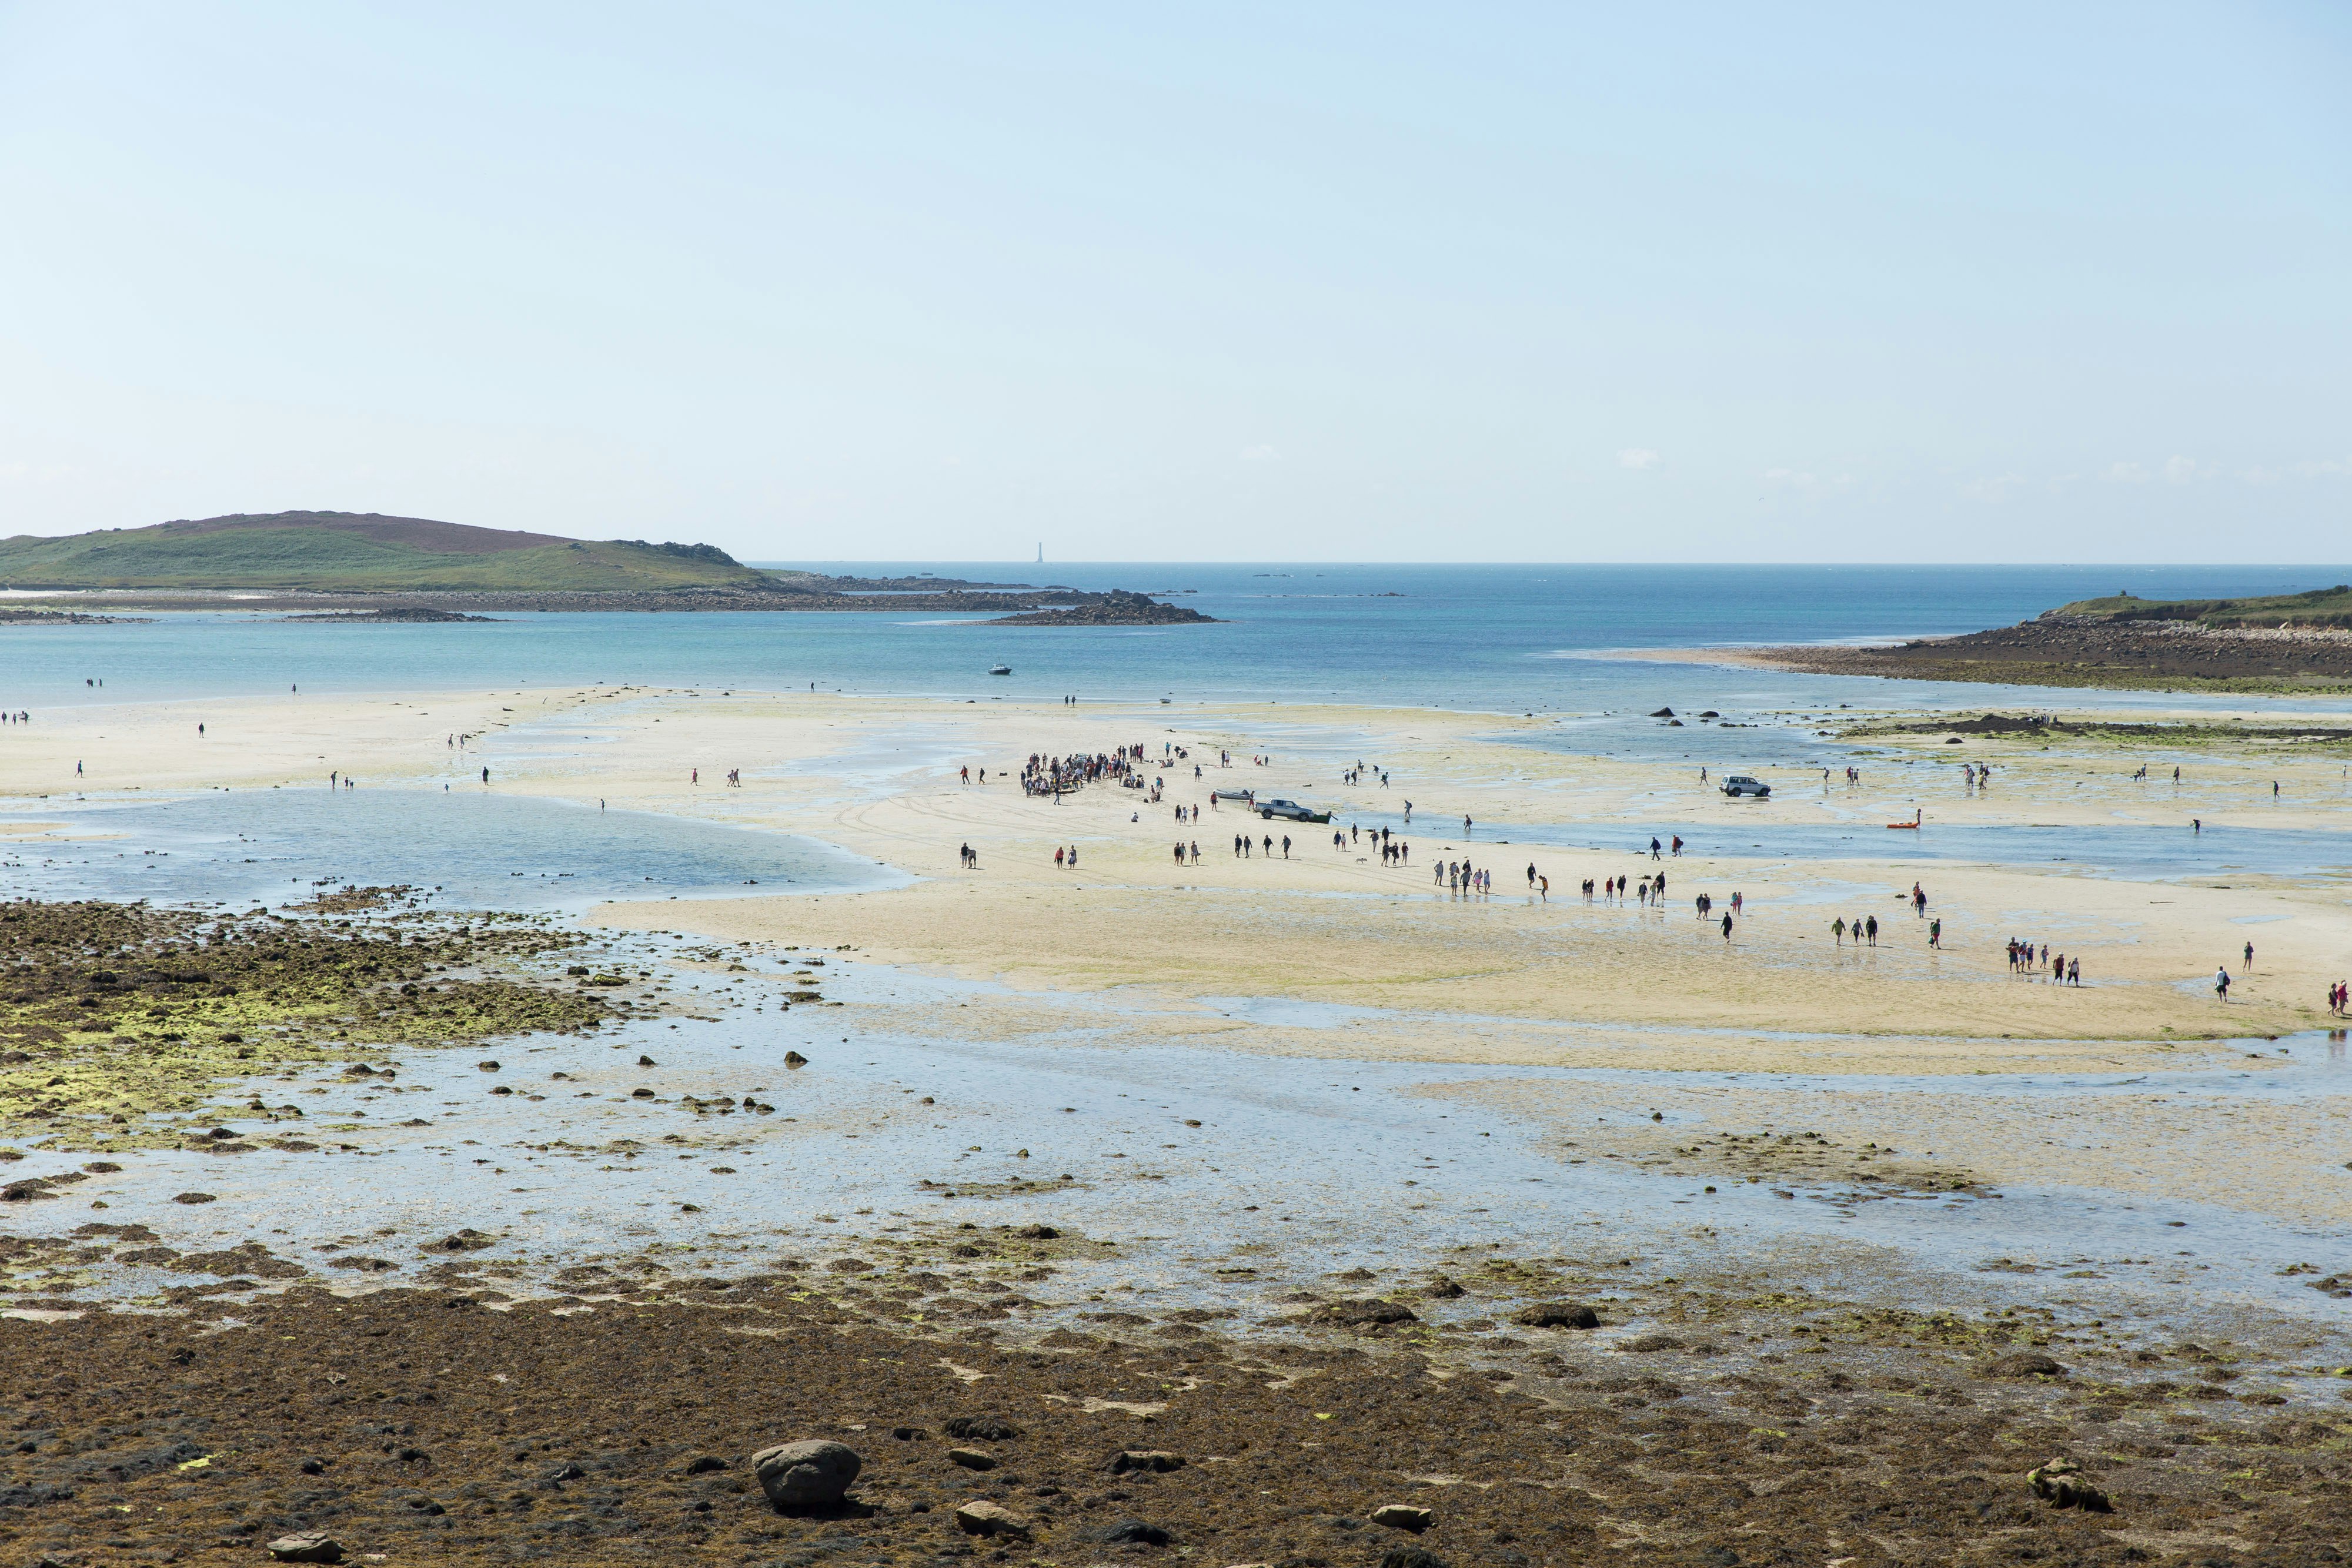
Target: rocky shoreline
{"points": [[2052, 651], [15, 615], [406, 615], [1115, 607]]}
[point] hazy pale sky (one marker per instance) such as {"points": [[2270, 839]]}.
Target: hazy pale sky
{"points": [[2035, 282]]}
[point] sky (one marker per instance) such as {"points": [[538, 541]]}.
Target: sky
{"points": [[2032, 283]]}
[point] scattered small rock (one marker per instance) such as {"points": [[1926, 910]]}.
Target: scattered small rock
{"points": [[985, 1429], [1410, 1557], [1366, 1310], [702, 1465], [794, 1058], [1160, 1461], [810, 1474], [307, 1546], [971, 1459], [2061, 1484], [986, 1518], [1037, 1232], [466, 1241], [1445, 1289], [208, 1197], [1128, 1532], [1403, 1516], [2024, 1364], [1558, 1315]]}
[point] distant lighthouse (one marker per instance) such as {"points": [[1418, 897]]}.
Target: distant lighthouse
{"points": [[1041, 552]]}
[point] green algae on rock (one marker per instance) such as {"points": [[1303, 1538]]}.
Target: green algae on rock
{"points": [[122, 1021]]}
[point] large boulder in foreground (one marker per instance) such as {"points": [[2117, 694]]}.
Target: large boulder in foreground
{"points": [[810, 1474]]}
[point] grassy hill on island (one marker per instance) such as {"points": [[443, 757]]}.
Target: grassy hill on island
{"points": [[359, 551], [2318, 607]]}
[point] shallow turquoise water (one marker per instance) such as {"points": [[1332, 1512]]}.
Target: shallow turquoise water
{"points": [[476, 850], [1488, 638]]}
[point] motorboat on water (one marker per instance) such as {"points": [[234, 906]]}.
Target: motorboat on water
{"points": [[1000, 670]]}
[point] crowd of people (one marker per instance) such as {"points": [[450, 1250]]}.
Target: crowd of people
{"points": [[1045, 775], [1057, 775], [2025, 958]]}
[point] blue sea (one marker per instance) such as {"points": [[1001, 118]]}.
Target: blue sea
{"points": [[1475, 638]]}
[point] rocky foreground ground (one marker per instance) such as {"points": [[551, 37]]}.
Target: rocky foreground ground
{"points": [[447, 1425]]}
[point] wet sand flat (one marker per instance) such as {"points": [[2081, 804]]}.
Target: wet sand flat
{"points": [[1274, 1165]]}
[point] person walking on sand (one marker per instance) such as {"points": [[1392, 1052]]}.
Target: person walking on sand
{"points": [[2221, 983], [2250, 956], [1837, 930], [1727, 928], [1654, 848], [1874, 930], [1543, 889], [1936, 933], [1057, 857]]}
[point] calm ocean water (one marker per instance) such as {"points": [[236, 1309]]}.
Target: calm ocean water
{"points": [[1484, 638]]}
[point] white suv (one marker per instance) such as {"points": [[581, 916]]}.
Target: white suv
{"points": [[1739, 784]]}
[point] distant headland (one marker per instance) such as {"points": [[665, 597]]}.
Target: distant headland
{"points": [[399, 568], [2278, 642]]}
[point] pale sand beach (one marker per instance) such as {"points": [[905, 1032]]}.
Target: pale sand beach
{"points": [[1333, 924], [1142, 1097]]}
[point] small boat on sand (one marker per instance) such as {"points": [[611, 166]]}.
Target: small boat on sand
{"points": [[1917, 816]]}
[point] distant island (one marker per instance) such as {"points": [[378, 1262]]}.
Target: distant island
{"points": [[419, 569], [1116, 608], [2288, 642]]}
